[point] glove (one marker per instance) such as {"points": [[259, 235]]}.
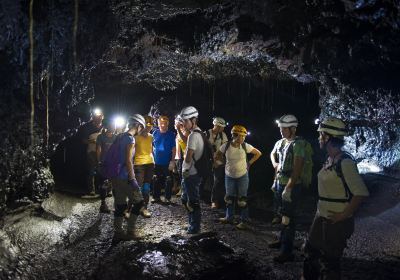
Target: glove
{"points": [[286, 195], [133, 183], [185, 174], [171, 165], [273, 188]]}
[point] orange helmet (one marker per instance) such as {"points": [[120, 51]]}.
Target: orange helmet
{"points": [[163, 118], [149, 120], [239, 129]]}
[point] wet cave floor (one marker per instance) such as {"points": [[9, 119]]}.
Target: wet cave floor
{"points": [[72, 240]]}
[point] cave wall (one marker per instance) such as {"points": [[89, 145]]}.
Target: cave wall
{"points": [[349, 48]]}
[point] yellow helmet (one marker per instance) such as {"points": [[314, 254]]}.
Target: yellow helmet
{"points": [[239, 129], [149, 120], [163, 118]]}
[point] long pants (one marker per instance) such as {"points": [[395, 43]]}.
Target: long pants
{"points": [[191, 200], [288, 209], [124, 192], [324, 248], [91, 163], [163, 179], [236, 188], [144, 175], [218, 188]]}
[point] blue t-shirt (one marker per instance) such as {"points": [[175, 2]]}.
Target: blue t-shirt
{"points": [[163, 143], [125, 141]]}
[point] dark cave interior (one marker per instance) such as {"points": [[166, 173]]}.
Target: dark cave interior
{"points": [[249, 61]]}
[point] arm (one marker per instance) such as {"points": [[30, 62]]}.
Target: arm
{"points": [[98, 152], [273, 160], [189, 156], [173, 154], [297, 168], [128, 161], [256, 155]]}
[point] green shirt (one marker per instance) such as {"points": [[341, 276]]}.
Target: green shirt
{"points": [[285, 152]]}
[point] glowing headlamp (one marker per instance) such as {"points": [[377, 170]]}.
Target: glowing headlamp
{"points": [[119, 122], [277, 121], [317, 121], [97, 112], [248, 133]]}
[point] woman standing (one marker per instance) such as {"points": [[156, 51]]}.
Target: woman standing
{"points": [[236, 173], [341, 191]]}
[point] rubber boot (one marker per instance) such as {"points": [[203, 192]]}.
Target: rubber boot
{"points": [[118, 232], [131, 228]]}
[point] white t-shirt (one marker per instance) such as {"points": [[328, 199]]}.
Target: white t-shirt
{"points": [[195, 143], [236, 160]]}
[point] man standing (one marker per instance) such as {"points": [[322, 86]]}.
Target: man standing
{"points": [[87, 134], [217, 137], [103, 143], [287, 185], [164, 158], [125, 186], [191, 180]]}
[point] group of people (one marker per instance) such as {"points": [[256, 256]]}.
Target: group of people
{"points": [[146, 152]]}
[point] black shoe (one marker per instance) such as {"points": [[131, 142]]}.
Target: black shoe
{"points": [[284, 257], [274, 245], [104, 209], [276, 220]]}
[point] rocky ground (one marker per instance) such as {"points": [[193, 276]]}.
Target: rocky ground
{"points": [[66, 238]]}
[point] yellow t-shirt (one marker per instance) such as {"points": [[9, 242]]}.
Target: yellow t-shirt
{"points": [[143, 150], [182, 145]]}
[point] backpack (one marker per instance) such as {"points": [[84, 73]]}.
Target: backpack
{"points": [[219, 136], [339, 172], [306, 173], [111, 165], [204, 164]]}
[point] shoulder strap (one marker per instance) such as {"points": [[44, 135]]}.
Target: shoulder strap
{"points": [[339, 172], [244, 147], [227, 146]]}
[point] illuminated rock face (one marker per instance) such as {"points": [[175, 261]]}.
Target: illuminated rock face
{"points": [[348, 48]]}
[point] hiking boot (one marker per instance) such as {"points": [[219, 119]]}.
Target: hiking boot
{"points": [[192, 230], [145, 213], [242, 226], [284, 257], [225, 220], [179, 193], [276, 220], [127, 214], [275, 245], [156, 200], [214, 205], [104, 209], [90, 195]]}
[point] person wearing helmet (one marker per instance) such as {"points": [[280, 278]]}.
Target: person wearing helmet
{"points": [[217, 137], [180, 147], [125, 186], [87, 134], [191, 179], [164, 157], [341, 191], [144, 162], [103, 143], [287, 158], [236, 173]]}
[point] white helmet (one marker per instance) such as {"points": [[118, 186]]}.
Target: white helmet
{"points": [[219, 121], [189, 112], [333, 126], [287, 121], [178, 119], [136, 118]]}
